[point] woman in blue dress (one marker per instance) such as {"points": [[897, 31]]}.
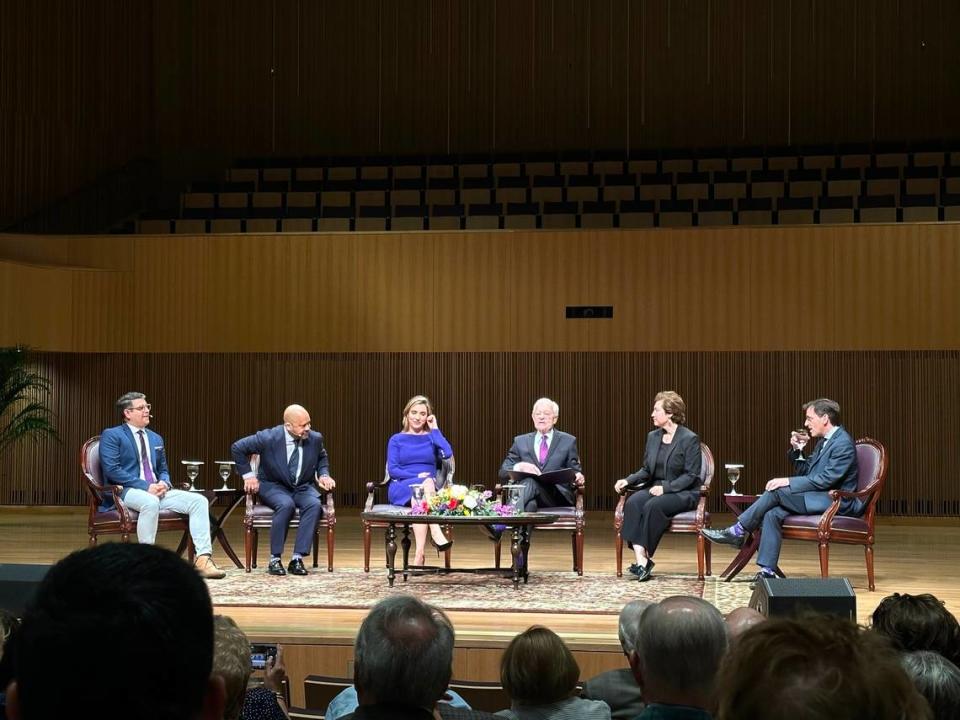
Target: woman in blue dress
{"points": [[413, 456]]}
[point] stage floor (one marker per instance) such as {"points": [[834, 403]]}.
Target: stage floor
{"points": [[912, 556]]}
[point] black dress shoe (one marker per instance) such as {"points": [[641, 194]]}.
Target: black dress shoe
{"points": [[758, 578], [646, 571], [724, 537], [296, 567], [634, 569], [276, 567]]}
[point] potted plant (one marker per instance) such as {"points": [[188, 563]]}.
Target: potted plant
{"points": [[22, 393]]}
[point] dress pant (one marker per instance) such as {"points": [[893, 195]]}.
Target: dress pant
{"points": [[769, 510], [534, 495], [283, 500], [646, 517], [149, 506]]}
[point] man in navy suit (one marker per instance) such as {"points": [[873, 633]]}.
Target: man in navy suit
{"points": [[133, 457], [544, 450], [832, 465], [293, 462]]}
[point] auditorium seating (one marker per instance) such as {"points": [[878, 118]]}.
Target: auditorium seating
{"points": [[746, 186]]}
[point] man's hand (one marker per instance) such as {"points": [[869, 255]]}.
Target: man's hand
{"points": [[656, 490], [527, 468], [777, 483], [326, 482], [159, 489], [275, 672], [619, 485], [251, 485], [578, 480]]}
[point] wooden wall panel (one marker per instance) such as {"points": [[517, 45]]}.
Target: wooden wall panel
{"points": [[856, 287], [742, 404], [76, 96], [437, 76]]}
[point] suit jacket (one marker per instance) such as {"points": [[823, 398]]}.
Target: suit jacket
{"points": [[271, 446], [683, 469], [561, 455], [830, 466], [120, 459], [618, 689]]}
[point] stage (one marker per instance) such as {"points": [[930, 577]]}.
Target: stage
{"points": [[317, 617]]}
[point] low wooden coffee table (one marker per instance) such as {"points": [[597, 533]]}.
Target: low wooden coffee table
{"points": [[519, 525]]}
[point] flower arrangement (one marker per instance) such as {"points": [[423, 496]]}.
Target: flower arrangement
{"points": [[461, 501]]}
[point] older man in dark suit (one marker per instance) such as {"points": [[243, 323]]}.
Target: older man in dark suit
{"points": [[293, 463], [541, 451], [832, 465]]}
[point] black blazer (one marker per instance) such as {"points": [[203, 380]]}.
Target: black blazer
{"points": [[683, 467]]}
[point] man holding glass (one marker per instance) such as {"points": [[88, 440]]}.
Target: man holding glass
{"points": [[832, 465]]}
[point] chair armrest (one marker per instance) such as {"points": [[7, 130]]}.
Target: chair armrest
{"points": [[841, 494], [372, 488], [122, 508]]}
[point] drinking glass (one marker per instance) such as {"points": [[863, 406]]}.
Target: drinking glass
{"points": [[417, 493], [225, 468], [193, 471], [733, 474], [801, 437], [511, 497]]}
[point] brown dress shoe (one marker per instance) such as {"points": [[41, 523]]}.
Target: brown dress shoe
{"points": [[208, 568]]}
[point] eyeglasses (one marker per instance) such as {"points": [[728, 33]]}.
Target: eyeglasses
{"points": [[141, 408]]}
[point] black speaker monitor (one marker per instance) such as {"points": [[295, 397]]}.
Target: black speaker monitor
{"points": [[18, 584], [789, 596]]}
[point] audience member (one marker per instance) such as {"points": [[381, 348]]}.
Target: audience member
{"points": [[742, 619], [680, 644], [117, 631], [540, 674], [831, 466], [541, 451], [815, 667], [294, 468], [133, 457], [9, 626], [937, 679], [918, 622], [231, 661], [345, 702], [403, 661], [618, 688]]}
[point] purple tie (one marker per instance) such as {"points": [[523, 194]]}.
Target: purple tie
{"points": [[543, 449], [145, 458]]}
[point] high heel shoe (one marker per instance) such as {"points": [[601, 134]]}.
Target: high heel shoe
{"points": [[441, 547]]}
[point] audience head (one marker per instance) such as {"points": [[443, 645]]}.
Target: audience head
{"points": [[403, 654], [231, 661], [412, 403], [742, 619], [814, 667], [672, 405], [537, 668], [629, 623], [918, 622], [680, 644], [937, 679], [9, 626], [117, 631]]}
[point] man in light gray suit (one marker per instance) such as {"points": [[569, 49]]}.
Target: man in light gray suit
{"points": [[618, 688], [541, 451]]}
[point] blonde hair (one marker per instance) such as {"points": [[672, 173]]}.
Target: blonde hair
{"points": [[231, 661], [415, 400]]}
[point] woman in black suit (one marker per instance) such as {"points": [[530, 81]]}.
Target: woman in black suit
{"points": [[669, 481]]}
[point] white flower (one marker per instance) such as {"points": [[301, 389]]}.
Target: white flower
{"points": [[470, 501], [458, 491]]}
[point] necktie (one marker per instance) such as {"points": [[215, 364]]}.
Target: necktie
{"points": [[294, 462], [543, 449], [145, 459]]}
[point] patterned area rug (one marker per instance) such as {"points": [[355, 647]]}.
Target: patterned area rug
{"points": [[559, 592]]}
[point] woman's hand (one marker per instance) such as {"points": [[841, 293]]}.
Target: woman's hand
{"points": [[619, 485], [656, 490], [275, 672], [432, 422]]}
